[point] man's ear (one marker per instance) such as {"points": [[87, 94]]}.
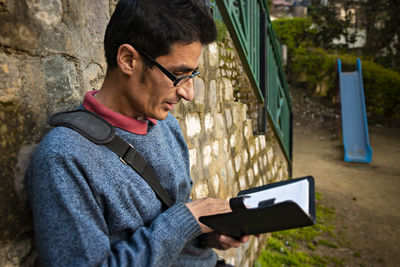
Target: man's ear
{"points": [[127, 59]]}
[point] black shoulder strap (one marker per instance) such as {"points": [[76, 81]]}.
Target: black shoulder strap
{"points": [[99, 131]]}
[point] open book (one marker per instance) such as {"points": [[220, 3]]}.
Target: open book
{"points": [[268, 208]]}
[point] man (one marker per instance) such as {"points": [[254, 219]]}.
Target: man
{"points": [[89, 208]]}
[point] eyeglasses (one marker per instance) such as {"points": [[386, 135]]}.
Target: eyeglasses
{"points": [[178, 81]]}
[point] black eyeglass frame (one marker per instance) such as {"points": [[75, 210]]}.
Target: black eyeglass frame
{"points": [[177, 81]]}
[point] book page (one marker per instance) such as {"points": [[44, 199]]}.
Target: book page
{"points": [[297, 192]]}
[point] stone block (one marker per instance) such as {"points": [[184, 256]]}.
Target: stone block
{"points": [[212, 95], [232, 140], [46, 12], [223, 175], [238, 163], [63, 89], [231, 260], [93, 75], [213, 57], [23, 158], [242, 182], [252, 151], [193, 126], [209, 122], [18, 34], [201, 190], [228, 89], [10, 79], [280, 174], [240, 254], [97, 16], [207, 157], [274, 170], [239, 113], [248, 130], [16, 253], [270, 154], [265, 179], [228, 117], [199, 89], [219, 127], [193, 158], [257, 143], [250, 175], [255, 168], [245, 157], [260, 164], [215, 182], [74, 15], [203, 59], [263, 143], [33, 96], [235, 190], [225, 145], [230, 171], [215, 148]]}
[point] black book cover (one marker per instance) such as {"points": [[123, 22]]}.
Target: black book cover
{"points": [[272, 214]]}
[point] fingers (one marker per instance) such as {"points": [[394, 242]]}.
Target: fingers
{"points": [[208, 206], [227, 242]]}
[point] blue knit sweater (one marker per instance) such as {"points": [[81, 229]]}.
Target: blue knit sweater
{"points": [[90, 209]]}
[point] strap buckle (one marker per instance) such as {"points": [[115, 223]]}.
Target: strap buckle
{"points": [[125, 153]]}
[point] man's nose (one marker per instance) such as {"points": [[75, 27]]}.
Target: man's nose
{"points": [[186, 90]]}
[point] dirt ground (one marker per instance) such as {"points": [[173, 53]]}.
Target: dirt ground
{"points": [[366, 197]]}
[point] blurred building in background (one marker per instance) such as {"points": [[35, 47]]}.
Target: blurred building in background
{"points": [[289, 8]]}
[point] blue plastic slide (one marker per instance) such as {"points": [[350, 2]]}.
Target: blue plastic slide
{"points": [[354, 116]]}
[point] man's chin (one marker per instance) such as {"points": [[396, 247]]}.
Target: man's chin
{"points": [[160, 116]]}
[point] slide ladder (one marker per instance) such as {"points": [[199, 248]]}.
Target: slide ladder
{"points": [[354, 116]]}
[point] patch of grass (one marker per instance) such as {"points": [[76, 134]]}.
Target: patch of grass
{"points": [[278, 254], [328, 243], [336, 261], [297, 247], [311, 246]]}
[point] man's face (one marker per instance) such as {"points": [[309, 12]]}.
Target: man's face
{"points": [[155, 95]]}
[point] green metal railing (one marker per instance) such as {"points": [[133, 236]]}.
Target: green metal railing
{"points": [[242, 20], [279, 106], [250, 28]]}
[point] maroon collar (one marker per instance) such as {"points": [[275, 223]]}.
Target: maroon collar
{"points": [[119, 120]]}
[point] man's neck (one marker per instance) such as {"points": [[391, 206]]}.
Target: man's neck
{"points": [[111, 96]]}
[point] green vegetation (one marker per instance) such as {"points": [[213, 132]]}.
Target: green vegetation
{"points": [[222, 31], [297, 247]]}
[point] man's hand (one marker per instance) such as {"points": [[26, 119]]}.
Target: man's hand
{"points": [[208, 206], [224, 242]]}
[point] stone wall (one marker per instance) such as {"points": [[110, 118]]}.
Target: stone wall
{"points": [[51, 53], [225, 156]]}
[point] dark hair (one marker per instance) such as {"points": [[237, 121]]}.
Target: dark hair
{"points": [[154, 25]]}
